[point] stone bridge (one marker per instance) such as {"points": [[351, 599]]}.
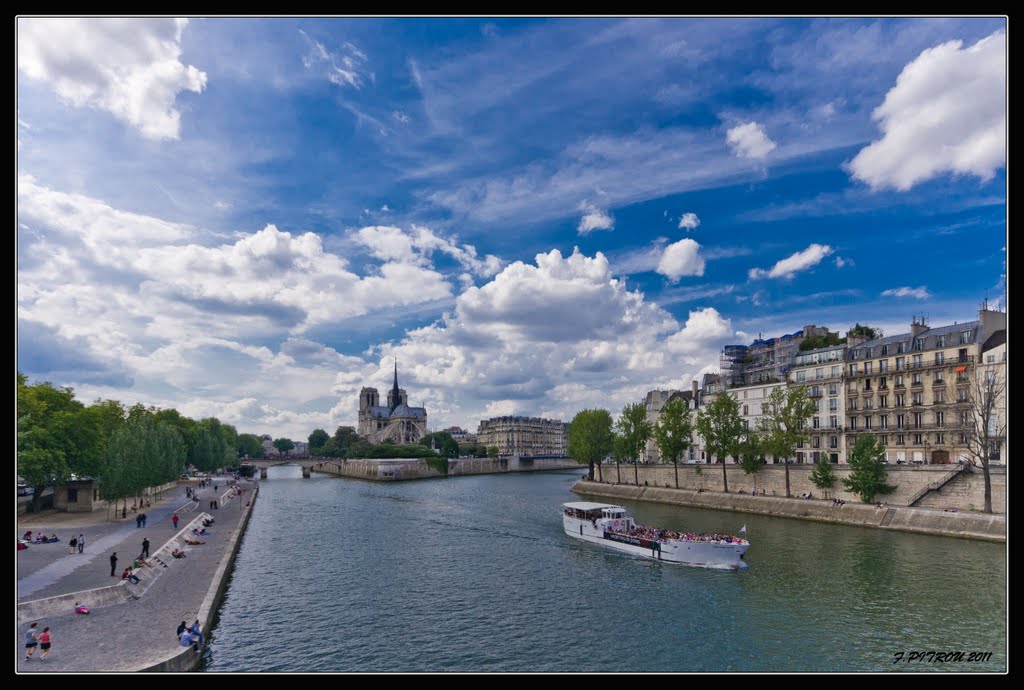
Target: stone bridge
{"points": [[263, 464]]}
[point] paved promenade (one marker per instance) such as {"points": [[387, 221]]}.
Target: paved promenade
{"points": [[131, 634]]}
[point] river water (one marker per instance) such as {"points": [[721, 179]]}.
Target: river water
{"points": [[474, 574]]}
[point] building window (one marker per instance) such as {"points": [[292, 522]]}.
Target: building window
{"points": [[801, 376], [882, 383], [899, 381], [851, 404], [965, 337], [833, 389], [901, 400], [962, 355], [853, 369], [867, 404], [885, 350], [819, 374], [745, 410], [901, 348], [835, 371], [963, 439], [901, 363], [867, 367], [990, 376], [918, 343], [883, 421], [72, 495], [833, 422], [869, 352], [816, 442], [867, 423], [940, 341], [883, 366], [917, 361], [867, 384], [938, 377], [918, 420], [816, 422], [939, 397], [833, 404], [940, 419], [940, 358], [899, 440], [917, 439], [940, 438], [961, 395], [916, 379], [883, 401], [901, 421], [833, 441]]}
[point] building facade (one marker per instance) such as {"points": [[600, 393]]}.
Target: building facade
{"points": [[821, 372], [524, 436], [396, 421], [908, 389]]}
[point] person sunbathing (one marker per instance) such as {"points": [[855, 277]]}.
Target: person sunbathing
{"points": [[84, 610], [178, 553], [194, 542]]}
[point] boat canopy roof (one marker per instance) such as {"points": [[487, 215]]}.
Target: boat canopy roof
{"points": [[587, 505]]}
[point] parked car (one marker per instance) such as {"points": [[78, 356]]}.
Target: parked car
{"points": [[24, 490]]}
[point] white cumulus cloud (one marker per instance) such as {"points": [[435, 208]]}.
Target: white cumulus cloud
{"points": [[749, 140], [917, 293], [689, 221], [680, 259], [799, 261], [127, 67], [594, 219], [946, 113]]}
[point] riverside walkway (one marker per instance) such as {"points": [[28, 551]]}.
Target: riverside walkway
{"points": [[130, 627]]}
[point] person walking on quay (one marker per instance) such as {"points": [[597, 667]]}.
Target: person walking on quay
{"points": [[143, 519], [81, 543], [138, 521], [174, 519], [72, 545], [44, 643], [113, 564], [145, 548], [32, 640]]}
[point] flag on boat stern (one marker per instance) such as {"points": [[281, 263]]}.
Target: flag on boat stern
{"points": [[743, 528]]}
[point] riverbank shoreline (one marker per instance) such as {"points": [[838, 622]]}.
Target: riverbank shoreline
{"points": [[130, 628], [965, 525]]}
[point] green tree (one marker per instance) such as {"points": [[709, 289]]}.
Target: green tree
{"points": [[590, 439], [721, 427], [673, 432], [317, 440], [187, 427], [47, 445], [822, 476], [250, 445], [230, 435], [786, 412], [867, 469], [442, 441], [345, 443], [620, 453], [751, 454], [635, 430], [492, 451], [283, 445]]}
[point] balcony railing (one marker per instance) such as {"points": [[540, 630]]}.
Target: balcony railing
{"points": [[941, 383], [899, 385], [917, 384]]}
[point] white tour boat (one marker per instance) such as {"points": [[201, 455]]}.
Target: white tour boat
{"points": [[608, 525]]}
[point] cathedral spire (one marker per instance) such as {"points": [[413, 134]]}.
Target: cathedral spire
{"points": [[396, 396]]}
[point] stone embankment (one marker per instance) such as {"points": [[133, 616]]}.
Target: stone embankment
{"points": [[397, 469], [970, 525], [131, 627]]}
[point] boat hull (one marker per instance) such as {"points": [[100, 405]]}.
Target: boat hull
{"points": [[704, 554]]}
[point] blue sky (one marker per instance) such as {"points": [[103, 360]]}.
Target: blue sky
{"points": [[251, 218]]}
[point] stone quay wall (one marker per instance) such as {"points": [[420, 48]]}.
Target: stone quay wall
{"points": [[420, 468], [922, 520], [965, 493]]}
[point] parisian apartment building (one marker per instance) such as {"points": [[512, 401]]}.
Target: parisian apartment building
{"points": [[524, 436], [911, 390]]}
